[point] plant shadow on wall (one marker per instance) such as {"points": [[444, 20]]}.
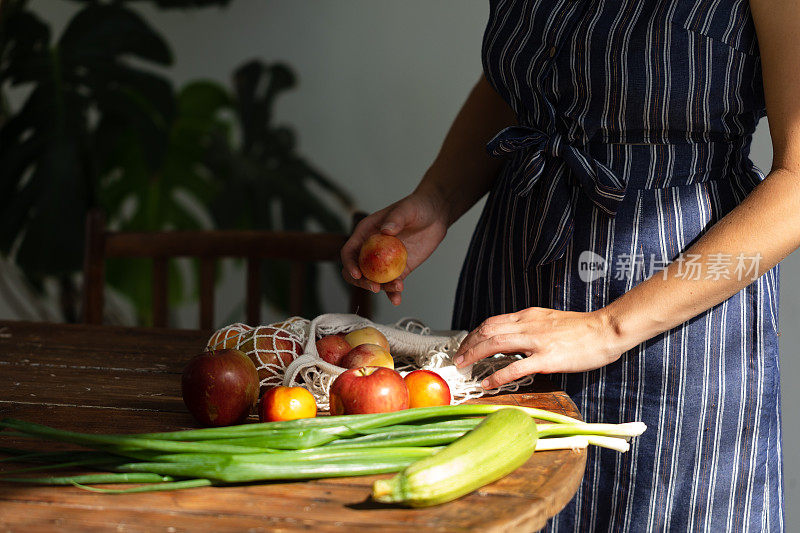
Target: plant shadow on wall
{"points": [[100, 126]]}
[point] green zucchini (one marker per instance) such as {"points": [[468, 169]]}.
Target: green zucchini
{"points": [[497, 446]]}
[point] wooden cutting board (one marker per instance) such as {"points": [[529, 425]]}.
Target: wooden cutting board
{"points": [[107, 379]]}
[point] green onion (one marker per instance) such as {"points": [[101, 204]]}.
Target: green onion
{"points": [[327, 446], [23, 456], [125, 477], [233, 469], [563, 443], [286, 439], [612, 443], [155, 487], [356, 421], [115, 440], [448, 425], [408, 438], [69, 464], [632, 429]]}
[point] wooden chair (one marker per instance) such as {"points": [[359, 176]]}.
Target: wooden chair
{"points": [[297, 247]]}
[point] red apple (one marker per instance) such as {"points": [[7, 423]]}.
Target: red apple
{"points": [[368, 335], [220, 387], [368, 390], [331, 348], [426, 389], [367, 355], [382, 258], [286, 403]]}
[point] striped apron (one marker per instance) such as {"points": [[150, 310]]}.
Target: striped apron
{"points": [[635, 120]]}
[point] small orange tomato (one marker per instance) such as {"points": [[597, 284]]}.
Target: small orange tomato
{"points": [[427, 389], [286, 403]]}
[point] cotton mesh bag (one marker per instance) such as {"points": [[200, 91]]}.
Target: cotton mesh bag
{"points": [[271, 347], [412, 344]]}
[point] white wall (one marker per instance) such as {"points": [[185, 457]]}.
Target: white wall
{"points": [[380, 82]]}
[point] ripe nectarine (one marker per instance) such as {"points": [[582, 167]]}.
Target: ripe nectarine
{"points": [[286, 403], [427, 389], [382, 258]]}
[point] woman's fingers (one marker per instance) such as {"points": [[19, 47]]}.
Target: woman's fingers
{"points": [[349, 255], [395, 286], [351, 248], [507, 374], [551, 341], [362, 282], [499, 343], [394, 291], [497, 325], [398, 218]]}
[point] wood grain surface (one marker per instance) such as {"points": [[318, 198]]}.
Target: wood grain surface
{"points": [[109, 379]]}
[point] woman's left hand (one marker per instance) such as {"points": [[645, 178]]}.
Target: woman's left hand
{"points": [[551, 341]]}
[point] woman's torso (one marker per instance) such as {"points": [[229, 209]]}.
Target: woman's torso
{"points": [[631, 106], [635, 120]]}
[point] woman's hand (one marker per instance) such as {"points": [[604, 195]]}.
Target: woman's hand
{"points": [[460, 175], [551, 341], [419, 220]]}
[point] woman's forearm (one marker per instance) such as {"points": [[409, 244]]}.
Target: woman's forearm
{"points": [[765, 223], [763, 230], [463, 172]]}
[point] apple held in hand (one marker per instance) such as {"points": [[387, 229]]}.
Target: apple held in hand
{"points": [[368, 390], [286, 403], [382, 258], [220, 387], [331, 348], [368, 335], [426, 389], [367, 355]]}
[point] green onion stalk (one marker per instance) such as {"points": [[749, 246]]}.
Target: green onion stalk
{"points": [[357, 422], [326, 446]]}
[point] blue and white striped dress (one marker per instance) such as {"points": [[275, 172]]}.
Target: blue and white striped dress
{"points": [[635, 120]]}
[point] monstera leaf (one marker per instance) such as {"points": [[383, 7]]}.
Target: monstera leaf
{"points": [[170, 195], [267, 184], [49, 159]]}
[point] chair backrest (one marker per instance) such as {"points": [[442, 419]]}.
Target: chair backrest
{"points": [[254, 246]]}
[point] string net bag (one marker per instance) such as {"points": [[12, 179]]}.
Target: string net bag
{"points": [[272, 347], [413, 346]]}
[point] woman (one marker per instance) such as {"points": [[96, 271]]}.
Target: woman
{"points": [[624, 132]]}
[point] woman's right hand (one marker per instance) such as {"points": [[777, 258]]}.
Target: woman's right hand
{"points": [[419, 220]]}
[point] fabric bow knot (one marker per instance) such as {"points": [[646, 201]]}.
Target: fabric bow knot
{"points": [[605, 188], [555, 222]]}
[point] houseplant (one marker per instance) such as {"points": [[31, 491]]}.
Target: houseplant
{"points": [[97, 125]]}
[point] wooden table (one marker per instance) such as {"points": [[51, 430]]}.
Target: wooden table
{"points": [[108, 379]]}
